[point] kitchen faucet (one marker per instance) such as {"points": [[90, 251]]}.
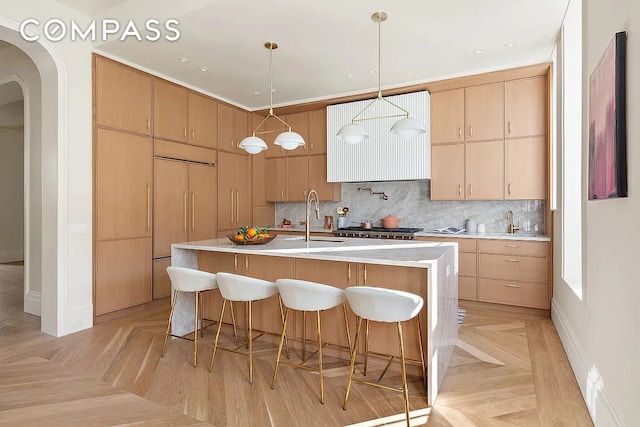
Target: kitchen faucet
{"points": [[512, 228], [314, 193]]}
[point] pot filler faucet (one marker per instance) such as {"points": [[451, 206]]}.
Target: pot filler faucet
{"points": [[512, 228], [312, 196]]}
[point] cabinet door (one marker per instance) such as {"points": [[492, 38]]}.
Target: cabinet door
{"points": [[225, 128], [226, 191], [123, 181], [447, 172], [169, 111], [297, 178], [243, 190], [483, 112], [318, 131], [170, 205], [328, 191], [447, 116], [123, 274], [203, 213], [161, 281], [276, 180], [484, 170], [526, 168], [203, 121], [275, 128], [299, 123], [525, 107], [240, 128], [123, 97]]}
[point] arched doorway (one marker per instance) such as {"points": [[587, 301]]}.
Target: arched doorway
{"points": [[39, 71]]}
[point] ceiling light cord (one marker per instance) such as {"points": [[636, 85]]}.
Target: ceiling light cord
{"points": [[271, 80], [379, 58]]}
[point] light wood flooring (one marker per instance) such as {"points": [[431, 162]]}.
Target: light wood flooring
{"points": [[507, 370]]}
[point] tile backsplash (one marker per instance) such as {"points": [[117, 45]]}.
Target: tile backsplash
{"points": [[409, 200]]}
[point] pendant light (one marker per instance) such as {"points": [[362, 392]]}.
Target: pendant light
{"points": [[406, 128], [288, 140]]}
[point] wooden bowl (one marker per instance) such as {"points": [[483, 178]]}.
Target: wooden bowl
{"points": [[262, 241]]}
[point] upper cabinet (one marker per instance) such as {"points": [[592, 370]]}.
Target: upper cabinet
{"points": [[233, 127], [122, 96], [525, 107], [447, 116], [317, 141], [184, 116], [483, 112]]}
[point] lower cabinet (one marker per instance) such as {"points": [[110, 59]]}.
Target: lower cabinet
{"points": [[122, 274], [161, 281]]}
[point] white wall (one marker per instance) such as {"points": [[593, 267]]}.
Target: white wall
{"points": [[11, 195], [600, 332]]}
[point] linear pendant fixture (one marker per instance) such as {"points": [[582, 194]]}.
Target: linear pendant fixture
{"points": [[406, 128], [288, 140]]}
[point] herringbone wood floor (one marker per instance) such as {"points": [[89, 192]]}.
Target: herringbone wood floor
{"points": [[507, 370]]}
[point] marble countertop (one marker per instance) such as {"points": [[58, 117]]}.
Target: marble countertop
{"points": [[371, 251], [501, 236]]}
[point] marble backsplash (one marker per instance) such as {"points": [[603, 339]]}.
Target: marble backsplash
{"points": [[409, 201]]}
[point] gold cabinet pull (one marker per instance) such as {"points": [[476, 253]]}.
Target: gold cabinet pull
{"points": [[470, 130], [305, 193], [184, 205], [231, 218], [509, 188], [148, 124], [512, 260], [246, 263], [459, 189], [148, 207], [185, 132], [512, 286], [235, 262], [193, 134], [509, 127], [459, 131], [349, 273], [312, 145], [231, 143], [237, 207], [193, 211], [365, 274], [513, 246], [282, 194], [470, 189]]}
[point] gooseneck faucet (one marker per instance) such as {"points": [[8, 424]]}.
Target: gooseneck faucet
{"points": [[312, 196]]}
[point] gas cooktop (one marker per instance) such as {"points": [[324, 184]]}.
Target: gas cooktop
{"points": [[377, 232]]}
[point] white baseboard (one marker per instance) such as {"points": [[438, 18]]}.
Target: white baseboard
{"points": [[11, 256], [589, 380], [33, 303], [78, 319]]}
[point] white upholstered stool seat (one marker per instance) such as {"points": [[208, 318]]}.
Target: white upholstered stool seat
{"points": [[305, 296], [190, 281], [390, 306], [237, 288]]}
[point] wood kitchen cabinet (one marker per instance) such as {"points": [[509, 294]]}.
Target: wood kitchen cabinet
{"points": [[484, 115], [122, 97], [297, 172], [317, 131], [290, 179], [327, 191], [161, 281], [233, 127], [276, 179], [299, 123], [169, 111], [525, 107], [203, 121], [447, 116], [234, 191], [184, 204], [123, 184], [484, 170], [447, 172], [526, 168]]}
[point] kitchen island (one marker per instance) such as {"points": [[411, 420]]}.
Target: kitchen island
{"points": [[425, 268]]}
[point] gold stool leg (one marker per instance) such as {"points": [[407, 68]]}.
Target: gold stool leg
{"points": [[354, 353], [250, 348], [424, 369], [201, 317], [215, 344], [366, 347], [195, 331], [320, 359], [286, 340], [346, 324], [282, 338], [405, 391], [233, 321], [166, 335], [304, 336]]}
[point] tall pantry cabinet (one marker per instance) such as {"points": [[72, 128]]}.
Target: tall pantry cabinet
{"points": [[123, 184]]}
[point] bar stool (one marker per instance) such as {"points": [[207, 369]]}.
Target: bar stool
{"points": [[192, 281], [237, 288], [391, 306], [304, 296]]}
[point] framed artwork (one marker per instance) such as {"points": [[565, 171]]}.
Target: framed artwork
{"points": [[608, 123]]}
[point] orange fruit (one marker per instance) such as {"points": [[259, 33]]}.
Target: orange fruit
{"points": [[239, 236], [252, 232]]}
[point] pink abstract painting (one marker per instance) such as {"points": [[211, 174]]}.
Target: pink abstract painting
{"points": [[607, 124]]}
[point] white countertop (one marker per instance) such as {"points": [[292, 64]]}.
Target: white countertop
{"points": [[501, 236], [371, 251]]}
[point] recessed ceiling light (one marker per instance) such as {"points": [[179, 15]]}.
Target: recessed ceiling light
{"points": [[374, 71], [478, 50], [510, 44], [204, 69], [256, 93], [183, 59], [350, 75]]}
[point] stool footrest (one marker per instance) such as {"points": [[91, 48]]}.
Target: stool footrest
{"points": [[375, 384]]}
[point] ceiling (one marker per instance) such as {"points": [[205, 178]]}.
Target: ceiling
{"points": [[329, 48]]}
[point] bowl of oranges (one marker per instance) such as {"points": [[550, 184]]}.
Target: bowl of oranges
{"points": [[252, 236]]}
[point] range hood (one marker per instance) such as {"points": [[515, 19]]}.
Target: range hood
{"points": [[382, 156]]}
